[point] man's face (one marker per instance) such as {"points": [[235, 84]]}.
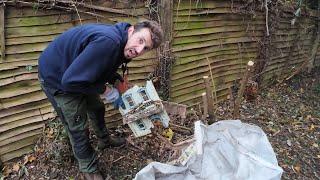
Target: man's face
{"points": [[138, 42]]}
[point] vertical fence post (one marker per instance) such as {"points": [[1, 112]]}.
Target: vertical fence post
{"points": [[205, 106], [163, 70], [236, 110], [2, 32], [207, 83], [316, 42]]}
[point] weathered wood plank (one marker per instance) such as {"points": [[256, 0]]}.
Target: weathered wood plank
{"points": [[219, 80], [25, 114], [25, 121], [197, 94], [215, 54], [120, 4], [232, 68], [22, 99], [38, 20], [195, 100], [2, 33], [17, 145], [228, 81], [14, 32], [20, 130], [218, 10], [14, 65], [139, 70], [198, 74], [216, 36], [22, 57], [16, 90], [221, 42], [17, 71], [280, 62], [217, 30], [23, 108], [142, 63], [17, 152], [149, 55], [20, 137], [206, 50], [210, 24], [186, 5], [217, 17], [215, 61], [14, 12], [25, 48], [22, 77], [31, 39]]}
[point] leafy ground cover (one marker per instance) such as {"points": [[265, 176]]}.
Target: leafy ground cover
{"points": [[289, 113]]}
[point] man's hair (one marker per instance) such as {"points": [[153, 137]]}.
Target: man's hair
{"points": [[155, 30]]}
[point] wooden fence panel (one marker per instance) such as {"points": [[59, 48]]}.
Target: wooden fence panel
{"points": [[24, 109], [210, 40]]}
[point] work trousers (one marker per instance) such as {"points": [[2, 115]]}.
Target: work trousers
{"points": [[74, 110]]}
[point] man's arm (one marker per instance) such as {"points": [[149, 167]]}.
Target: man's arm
{"points": [[98, 57]]}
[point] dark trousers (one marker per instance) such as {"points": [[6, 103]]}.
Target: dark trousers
{"points": [[74, 110]]}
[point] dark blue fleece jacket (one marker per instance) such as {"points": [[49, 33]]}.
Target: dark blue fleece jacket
{"points": [[84, 58]]}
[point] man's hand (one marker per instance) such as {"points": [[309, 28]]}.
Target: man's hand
{"points": [[111, 94]]}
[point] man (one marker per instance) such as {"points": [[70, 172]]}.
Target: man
{"points": [[74, 70]]}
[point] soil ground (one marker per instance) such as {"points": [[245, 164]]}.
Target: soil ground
{"points": [[289, 113]]}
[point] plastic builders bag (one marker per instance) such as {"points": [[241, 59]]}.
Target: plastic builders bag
{"points": [[225, 150]]}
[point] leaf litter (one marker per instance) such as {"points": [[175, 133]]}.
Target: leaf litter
{"points": [[289, 113]]}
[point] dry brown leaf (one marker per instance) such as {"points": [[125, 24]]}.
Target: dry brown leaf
{"points": [[297, 168], [32, 158], [28, 158], [6, 171], [311, 127], [315, 145], [51, 131], [25, 159], [16, 167], [301, 90], [40, 150], [308, 117]]}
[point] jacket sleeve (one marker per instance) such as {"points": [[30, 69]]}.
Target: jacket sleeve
{"points": [[98, 57]]}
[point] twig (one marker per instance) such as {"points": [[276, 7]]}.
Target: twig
{"points": [[131, 157], [118, 159], [212, 117], [267, 14], [205, 106], [176, 146], [184, 143], [75, 7], [182, 127], [302, 66], [213, 84], [163, 139], [90, 6], [132, 144], [43, 5]]}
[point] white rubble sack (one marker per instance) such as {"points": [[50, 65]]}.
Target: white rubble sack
{"points": [[225, 150]]}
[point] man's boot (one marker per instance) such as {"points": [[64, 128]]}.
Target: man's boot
{"points": [[93, 176], [111, 141]]}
